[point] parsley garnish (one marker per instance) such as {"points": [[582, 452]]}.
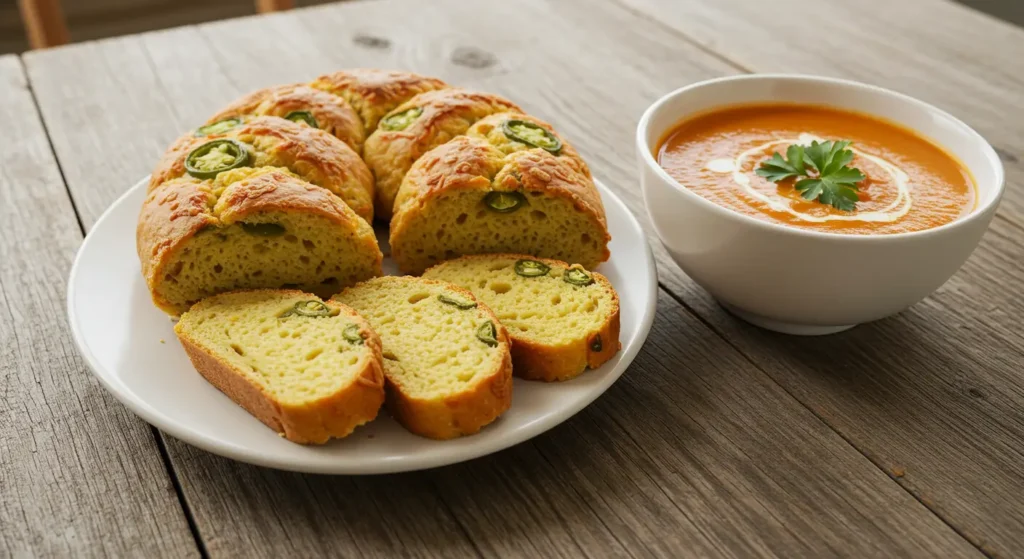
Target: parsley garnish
{"points": [[836, 184]]}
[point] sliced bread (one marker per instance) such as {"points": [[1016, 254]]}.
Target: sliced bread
{"points": [[268, 141], [417, 126], [374, 93], [446, 356], [310, 370], [247, 229], [297, 103], [469, 197], [562, 319]]}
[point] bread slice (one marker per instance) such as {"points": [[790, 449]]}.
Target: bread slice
{"points": [[469, 197], [247, 229], [562, 319], [446, 356], [309, 370]]}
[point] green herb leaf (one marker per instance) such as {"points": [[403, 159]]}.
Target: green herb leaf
{"points": [[835, 185]]}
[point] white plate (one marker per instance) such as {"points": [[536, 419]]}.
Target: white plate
{"points": [[131, 347]]}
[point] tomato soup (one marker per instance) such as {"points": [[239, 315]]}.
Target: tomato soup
{"points": [[908, 183]]}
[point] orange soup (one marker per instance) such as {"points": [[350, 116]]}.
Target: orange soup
{"points": [[906, 182]]}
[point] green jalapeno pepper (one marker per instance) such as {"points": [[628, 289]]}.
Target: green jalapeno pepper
{"points": [[311, 309], [488, 334], [577, 276], [263, 229], [456, 301], [402, 120], [219, 127], [353, 333], [532, 135], [302, 116], [217, 156], [531, 268], [504, 202]]}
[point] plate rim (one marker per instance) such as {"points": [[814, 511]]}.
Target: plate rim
{"points": [[199, 439]]}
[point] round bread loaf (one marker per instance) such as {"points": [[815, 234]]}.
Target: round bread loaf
{"points": [[298, 103], [374, 93], [308, 369], [468, 197], [249, 228], [562, 319], [312, 154], [417, 126], [446, 356]]}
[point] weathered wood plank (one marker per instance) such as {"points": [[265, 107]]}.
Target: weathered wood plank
{"points": [[79, 475], [934, 396], [664, 464]]}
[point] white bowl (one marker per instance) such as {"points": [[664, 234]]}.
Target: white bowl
{"points": [[806, 282]]}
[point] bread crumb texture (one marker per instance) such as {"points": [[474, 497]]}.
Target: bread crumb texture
{"points": [[446, 357], [296, 359]]}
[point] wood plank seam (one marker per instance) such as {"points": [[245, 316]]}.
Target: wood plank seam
{"points": [[81, 227], [894, 477], [180, 493]]}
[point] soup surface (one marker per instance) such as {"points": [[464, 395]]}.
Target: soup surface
{"points": [[909, 183]]}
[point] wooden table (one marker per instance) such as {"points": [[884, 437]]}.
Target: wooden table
{"points": [[899, 438]]}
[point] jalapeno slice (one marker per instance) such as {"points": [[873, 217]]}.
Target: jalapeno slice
{"points": [[402, 120], [217, 156], [577, 276], [353, 333], [263, 229], [219, 127], [531, 268], [311, 309], [457, 301], [504, 202], [596, 344], [487, 334], [532, 135], [302, 116]]}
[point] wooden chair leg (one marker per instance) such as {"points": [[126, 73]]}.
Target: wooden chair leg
{"points": [[264, 6], [44, 23]]}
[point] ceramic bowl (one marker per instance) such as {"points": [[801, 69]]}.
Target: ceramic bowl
{"points": [[807, 282]]}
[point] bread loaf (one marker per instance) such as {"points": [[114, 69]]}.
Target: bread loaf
{"points": [[469, 197], [249, 228]]}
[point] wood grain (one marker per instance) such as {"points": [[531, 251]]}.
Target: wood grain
{"points": [[696, 452], [79, 474]]}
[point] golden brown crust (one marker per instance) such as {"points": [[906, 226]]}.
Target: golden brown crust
{"points": [[467, 163], [178, 209], [336, 415], [536, 361], [490, 128], [447, 113], [333, 115], [313, 154], [466, 412], [375, 93]]}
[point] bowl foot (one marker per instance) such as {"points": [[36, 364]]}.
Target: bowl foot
{"points": [[784, 327]]}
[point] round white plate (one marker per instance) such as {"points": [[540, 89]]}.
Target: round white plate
{"points": [[131, 347]]}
